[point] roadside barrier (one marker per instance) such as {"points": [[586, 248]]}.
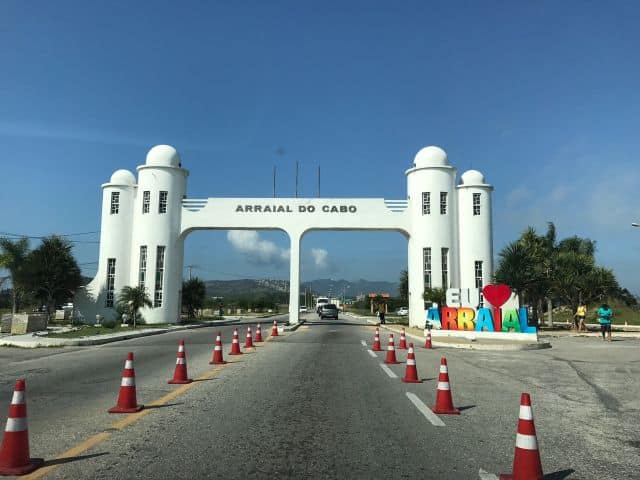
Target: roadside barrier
{"points": [[180, 375], [217, 352], [258, 334], [411, 372], [444, 401], [14, 452], [274, 329], [391, 351], [526, 459], [235, 344], [403, 341], [248, 343], [376, 341], [127, 402]]}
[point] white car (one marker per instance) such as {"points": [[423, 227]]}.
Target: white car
{"points": [[303, 309], [402, 311]]}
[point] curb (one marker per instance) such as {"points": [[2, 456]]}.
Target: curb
{"points": [[293, 328], [88, 341]]}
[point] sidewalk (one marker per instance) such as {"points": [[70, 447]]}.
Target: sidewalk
{"points": [[32, 340]]}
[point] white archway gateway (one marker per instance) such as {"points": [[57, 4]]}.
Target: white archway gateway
{"points": [[144, 224]]}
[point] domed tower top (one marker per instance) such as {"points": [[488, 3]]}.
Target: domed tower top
{"points": [[163, 156], [123, 177], [431, 156], [473, 178]]}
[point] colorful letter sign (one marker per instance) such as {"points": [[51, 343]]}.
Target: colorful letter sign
{"points": [[497, 310]]}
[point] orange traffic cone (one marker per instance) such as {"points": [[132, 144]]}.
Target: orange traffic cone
{"points": [[411, 372], [248, 343], [526, 461], [444, 402], [127, 402], [235, 344], [427, 343], [217, 352], [376, 341], [391, 351], [14, 452], [274, 329], [258, 334], [403, 341], [180, 374]]}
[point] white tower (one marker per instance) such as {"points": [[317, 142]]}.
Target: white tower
{"points": [[100, 296], [433, 258], [156, 247], [475, 230]]}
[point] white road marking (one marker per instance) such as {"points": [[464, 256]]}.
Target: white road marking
{"points": [[388, 371], [364, 344], [426, 411], [372, 353], [484, 475]]}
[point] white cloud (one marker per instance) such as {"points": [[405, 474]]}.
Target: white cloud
{"points": [[320, 258], [256, 250]]}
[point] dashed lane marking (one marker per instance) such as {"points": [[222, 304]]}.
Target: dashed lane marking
{"points": [[364, 344], [388, 371], [426, 411], [372, 353]]}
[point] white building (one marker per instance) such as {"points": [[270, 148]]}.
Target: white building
{"points": [[144, 224]]}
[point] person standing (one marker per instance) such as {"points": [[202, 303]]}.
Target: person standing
{"points": [[604, 317], [382, 321], [581, 313]]}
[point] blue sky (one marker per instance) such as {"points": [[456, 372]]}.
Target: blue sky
{"points": [[542, 97]]}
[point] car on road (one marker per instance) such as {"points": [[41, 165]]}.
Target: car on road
{"points": [[328, 310], [303, 309], [402, 311]]}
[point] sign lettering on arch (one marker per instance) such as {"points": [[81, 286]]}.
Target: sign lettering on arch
{"points": [[494, 309]]}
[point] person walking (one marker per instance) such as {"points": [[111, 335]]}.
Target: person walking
{"points": [[604, 317], [581, 313], [382, 321]]}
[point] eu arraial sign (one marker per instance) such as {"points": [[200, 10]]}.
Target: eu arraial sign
{"points": [[145, 220]]}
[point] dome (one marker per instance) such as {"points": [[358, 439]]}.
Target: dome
{"points": [[163, 156], [123, 177], [472, 177], [431, 157]]}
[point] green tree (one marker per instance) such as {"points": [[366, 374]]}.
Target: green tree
{"points": [[13, 256], [437, 295], [193, 295], [404, 285], [51, 272], [132, 299]]}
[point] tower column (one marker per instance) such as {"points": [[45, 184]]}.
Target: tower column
{"points": [[294, 277]]}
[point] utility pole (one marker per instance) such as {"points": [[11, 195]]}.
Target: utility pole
{"points": [[190, 267], [318, 181], [296, 179], [274, 181]]}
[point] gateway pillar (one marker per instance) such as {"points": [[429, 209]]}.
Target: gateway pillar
{"points": [[294, 277]]}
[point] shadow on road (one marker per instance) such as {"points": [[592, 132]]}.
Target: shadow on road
{"points": [[60, 461], [559, 475], [334, 322], [146, 407], [467, 407]]}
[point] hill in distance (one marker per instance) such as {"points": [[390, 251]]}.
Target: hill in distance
{"points": [[325, 286]]}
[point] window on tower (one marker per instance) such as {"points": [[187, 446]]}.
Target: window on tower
{"points": [[142, 273], [426, 265], [115, 202], [443, 203], [476, 204], [445, 268], [111, 282], [478, 273], [426, 203], [157, 297], [162, 204], [146, 201]]}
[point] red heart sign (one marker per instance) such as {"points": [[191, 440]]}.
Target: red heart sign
{"points": [[497, 295]]}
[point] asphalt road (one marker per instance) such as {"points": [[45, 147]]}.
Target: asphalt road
{"points": [[315, 403]]}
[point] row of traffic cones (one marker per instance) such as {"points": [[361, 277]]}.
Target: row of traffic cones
{"points": [[15, 456], [527, 464]]}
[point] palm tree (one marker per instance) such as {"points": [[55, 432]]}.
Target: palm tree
{"points": [[13, 255], [134, 298]]}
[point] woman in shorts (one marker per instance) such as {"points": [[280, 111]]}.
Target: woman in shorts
{"points": [[581, 313], [604, 317]]}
